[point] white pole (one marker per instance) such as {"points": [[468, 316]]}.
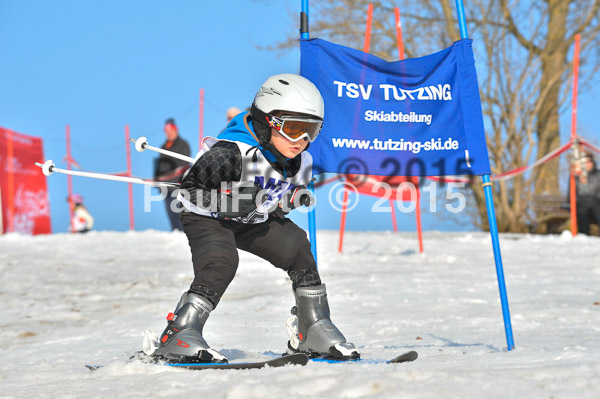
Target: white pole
{"points": [[141, 144], [48, 168]]}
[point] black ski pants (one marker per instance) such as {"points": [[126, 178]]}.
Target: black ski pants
{"points": [[173, 216], [588, 211], [214, 244]]}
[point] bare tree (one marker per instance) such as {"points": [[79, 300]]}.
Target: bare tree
{"points": [[523, 54]]}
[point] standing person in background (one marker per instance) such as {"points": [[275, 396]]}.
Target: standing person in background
{"points": [[587, 183], [170, 169], [81, 221], [232, 113]]}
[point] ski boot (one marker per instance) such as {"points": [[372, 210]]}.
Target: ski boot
{"points": [[182, 340], [311, 330]]}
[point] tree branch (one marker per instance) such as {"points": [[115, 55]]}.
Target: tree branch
{"points": [[512, 28]]}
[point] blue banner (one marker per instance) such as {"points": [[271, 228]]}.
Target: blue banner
{"points": [[415, 117]]}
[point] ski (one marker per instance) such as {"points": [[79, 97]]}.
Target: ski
{"points": [[409, 356], [295, 359], [299, 359], [277, 361]]}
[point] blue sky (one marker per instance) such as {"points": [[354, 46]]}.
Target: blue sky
{"points": [[101, 65]]}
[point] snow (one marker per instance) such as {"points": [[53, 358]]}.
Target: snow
{"points": [[68, 300]]}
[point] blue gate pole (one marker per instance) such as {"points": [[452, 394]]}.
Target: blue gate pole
{"points": [[489, 201], [304, 20], [312, 225], [312, 222]]}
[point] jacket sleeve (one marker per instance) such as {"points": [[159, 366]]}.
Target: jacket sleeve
{"points": [[597, 184], [222, 163], [185, 148], [170, 169]]}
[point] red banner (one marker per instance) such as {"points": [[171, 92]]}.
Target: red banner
{"points": [[23, 192]]}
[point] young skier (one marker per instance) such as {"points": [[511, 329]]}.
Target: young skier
{"points": [[81, 221], [235, 196]]}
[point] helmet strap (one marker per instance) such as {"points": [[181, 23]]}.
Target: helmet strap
{"points": [[279, 156], [261, 127]]}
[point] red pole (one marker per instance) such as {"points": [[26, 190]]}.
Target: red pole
{"points": [[401, 57], [368, 30], [343, 220], [201, 121], [399, 34], [575, 81], [394, 223], [10, 166], [344, 205], [418, 216], [573, 202], [130, 188], [574, 133], [69, 177]]}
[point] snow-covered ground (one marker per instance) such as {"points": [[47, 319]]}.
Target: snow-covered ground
{"points": [[68, 300]]}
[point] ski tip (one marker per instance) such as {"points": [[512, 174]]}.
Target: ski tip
{"points": [[410, 356], [297, 358]]}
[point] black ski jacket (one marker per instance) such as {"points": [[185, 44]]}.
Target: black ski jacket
{"points": [[170, 169]]}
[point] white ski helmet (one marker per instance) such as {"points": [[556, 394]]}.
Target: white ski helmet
{"points": [[285, 92], [289, 92]]}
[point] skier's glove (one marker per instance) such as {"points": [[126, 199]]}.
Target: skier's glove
{"points": [[239, 202], [300, 196]]}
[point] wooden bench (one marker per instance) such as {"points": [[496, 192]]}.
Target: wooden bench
{"points": [[553, 215]]}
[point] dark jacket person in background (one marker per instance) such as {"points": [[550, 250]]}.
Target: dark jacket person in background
{"points": [[587, 183], [170, 169]]}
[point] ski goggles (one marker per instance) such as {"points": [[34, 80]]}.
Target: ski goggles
{"points": [[295, 128]]}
